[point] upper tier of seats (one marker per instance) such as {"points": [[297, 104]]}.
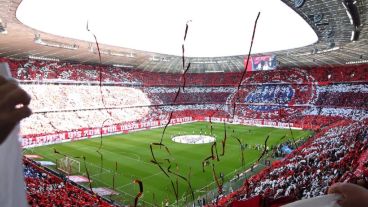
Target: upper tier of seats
{"points": [[41, 70], [68, 96]]}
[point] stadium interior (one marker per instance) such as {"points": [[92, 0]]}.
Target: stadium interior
{"points": [[84, 90]]}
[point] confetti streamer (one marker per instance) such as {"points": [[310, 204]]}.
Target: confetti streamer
{"points": [[283, 137], [101, 132], [265, 149], [113, 177], [211, 129], [211, 132], [97, 45], [66, 155], [213, 156], [102, 98], [246, 65], [182, 78], [177, 190], [242, 148], [156, 162], [183, 178], [54, 127], [224, 141], [186, 29], [189, 180], [319, 111], [183, 46], [100, 68], [291, 131], [166, 125], [292, 135], [183, 56], [219, 185], [205, 161], [100, 146], [139, 193], [214, 149], [88, 176], [154, 158], [101, 161]]}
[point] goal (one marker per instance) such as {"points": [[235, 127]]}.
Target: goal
{"points": [[68, 165]]}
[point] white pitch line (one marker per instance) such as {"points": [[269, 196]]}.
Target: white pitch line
{"points": [[145, 178], [123, 191], [213, 182]]}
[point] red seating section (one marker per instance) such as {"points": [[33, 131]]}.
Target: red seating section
{"points": [[333, 101]]}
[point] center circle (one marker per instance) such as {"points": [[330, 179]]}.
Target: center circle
{"points": [[193, 139]]}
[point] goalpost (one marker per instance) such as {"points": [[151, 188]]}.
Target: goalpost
{"points": [[68, 165]]}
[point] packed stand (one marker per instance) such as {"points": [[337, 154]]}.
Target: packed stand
{"points": [[47, 190], [329, 157], [128, 95]]}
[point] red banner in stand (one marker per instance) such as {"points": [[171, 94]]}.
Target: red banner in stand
{"points": [[84, 133]]}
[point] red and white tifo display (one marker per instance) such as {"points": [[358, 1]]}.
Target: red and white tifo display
{"points": [[69, 103]]}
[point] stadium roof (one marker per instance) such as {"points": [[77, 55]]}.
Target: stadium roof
{"points": [[340, 27], [216, 28]]}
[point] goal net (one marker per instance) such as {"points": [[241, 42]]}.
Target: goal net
{"points": [[68, 165]]}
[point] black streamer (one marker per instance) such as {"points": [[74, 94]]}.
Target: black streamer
{"points": [[186, 29], [219, 185], [264, 150], [224, 141], [184, 81], [242, 148], [246, 65], [140, 183], [183, 178], [154, 161]]}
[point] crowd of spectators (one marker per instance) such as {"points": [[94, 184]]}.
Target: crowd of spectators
{"points": [[42, 70], [189, 95], [67, 97], [60, 107], [351, 113], [329, 157], [339, 95], [284, 149], [315, 122], [47, 190], [45, 123], [64, 107], [61, 97]]}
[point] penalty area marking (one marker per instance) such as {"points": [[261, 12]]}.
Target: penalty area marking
{"points": [[193, 139]]}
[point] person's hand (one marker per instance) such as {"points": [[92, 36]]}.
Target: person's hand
{"points": [[13, 106], [352, 195]]}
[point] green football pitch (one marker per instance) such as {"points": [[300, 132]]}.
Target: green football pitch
{"points": [[116, 161]]}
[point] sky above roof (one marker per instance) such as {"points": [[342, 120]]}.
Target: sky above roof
{"points": [[216, 27]]}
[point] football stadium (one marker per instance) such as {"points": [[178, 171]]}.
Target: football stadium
{"points": [[189, 103]]}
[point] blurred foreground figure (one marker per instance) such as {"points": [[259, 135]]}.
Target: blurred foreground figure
{"points": [[11, 96], [352, 195], [13, 108]]}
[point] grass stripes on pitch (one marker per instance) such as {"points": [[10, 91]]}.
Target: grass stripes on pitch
{"points": [[133, 155]]}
